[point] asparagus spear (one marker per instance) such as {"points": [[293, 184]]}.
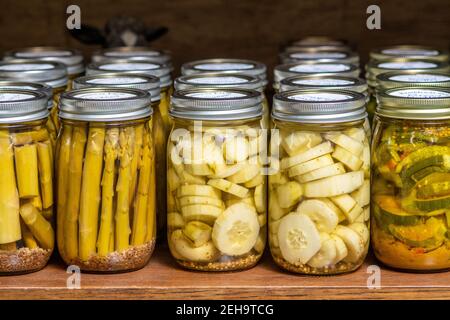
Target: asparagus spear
{"points": [[9, 197], [45, 174], [90, 192], [73, 202], [151, 202], [40, 228], [27, 236], [27, 171], [135, 161], [126, 141], [37, 202], [22, 138], [140, 209], [53, 132], [64, 146], [106, 236]]}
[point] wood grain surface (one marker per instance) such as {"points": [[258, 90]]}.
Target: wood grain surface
{"points": [[252, 29], [163, 279]]}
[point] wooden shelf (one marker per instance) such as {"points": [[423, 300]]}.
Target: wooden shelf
{"points": [[163, 279]]}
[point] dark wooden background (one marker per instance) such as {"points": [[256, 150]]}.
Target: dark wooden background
{"points": [[251, 29]]}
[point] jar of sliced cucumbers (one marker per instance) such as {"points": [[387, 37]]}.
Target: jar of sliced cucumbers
{"points": [[410, 172], [216, 182], [106, 179], [26, 189], [319, 187]]}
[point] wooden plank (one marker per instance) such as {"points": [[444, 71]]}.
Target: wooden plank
{"points": [[163, 279]]}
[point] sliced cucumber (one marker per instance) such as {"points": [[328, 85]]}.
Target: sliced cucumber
{"points": [[327, 253], [198, 190], [345, 202], [229, 187], [323, 216], [362, 195], [299, 140], [347, 158], [351, 145], [315, 152], [335, 185], [328, 171], [200, 212], [289, 194], [190, 200], [311, 165]]}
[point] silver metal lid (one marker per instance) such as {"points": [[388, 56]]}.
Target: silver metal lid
{"points": [[121, 80], [161, 71], [51, 73], [105, 104], [311, 54], [318, 40], [331, 82], [409, 51], [412, 78], [219, 81], [317, 47], [319, 106], [20, 105], [374, 68], [216, 104], [34, 86], [132, 53], [242, 66], [71, 58], [309, 68], [416, 103]]}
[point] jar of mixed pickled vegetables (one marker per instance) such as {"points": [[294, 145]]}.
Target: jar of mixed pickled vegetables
{"points": [[216, 184], [132, 53], [161, 120], [53, 74], [319, 187], [377, 67], [105, 174], [313, 68], [410, 179], [226, 80], [26, 189], [72, 59], [409, 51], [317, 55]]}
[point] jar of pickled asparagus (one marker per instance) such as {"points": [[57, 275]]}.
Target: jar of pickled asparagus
{"points": [[242, 66], [26, 189], [375, 68], [313, 68], [132, 53], [216, 184], [409, 51], [106, 179], [312, 54], [319, 190], [226, 80], [161, 120], [51, 73], [410, 179], [71, 58]]}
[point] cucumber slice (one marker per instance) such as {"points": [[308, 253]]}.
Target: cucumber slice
{"points": [[362, 195], [347, 158], [190, 200], [315, 152], [327, 253], [335, 185], [437, 189], [298, 238], [175, 220], [197, 232], [388, 211], [260, 199], [198, 169], [182, 246], [351, 145], [328, 171], [198, 190], [341, 249], [256, 181], [311, 165], [248, 172], [278, 178], [356, 133], [275, 211], [323, 216], [201, 212], [289, 194], [353, 241], [223, 171], [299, 140], [229, 187], [173, 181], [345, 202], [235, 149]]}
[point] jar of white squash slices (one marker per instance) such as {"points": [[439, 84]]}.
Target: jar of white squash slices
{"points": [[319, 196]]}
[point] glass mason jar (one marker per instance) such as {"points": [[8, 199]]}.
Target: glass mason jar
{"points": [[26, 189], [223, 80], [410, 178], [412, 78], [216, 184], [106, 179], [409, 51], [313, 68], [319, 192], [376, 67], [311, 41], [132, 53], [71, 58], [53, 74], [161, 120], [317, 55]]}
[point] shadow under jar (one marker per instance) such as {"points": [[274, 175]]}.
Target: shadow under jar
{"points": [[319, 190], [106, 179], [161, 120], [411, 179], [216, 184], [26, 189]]}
